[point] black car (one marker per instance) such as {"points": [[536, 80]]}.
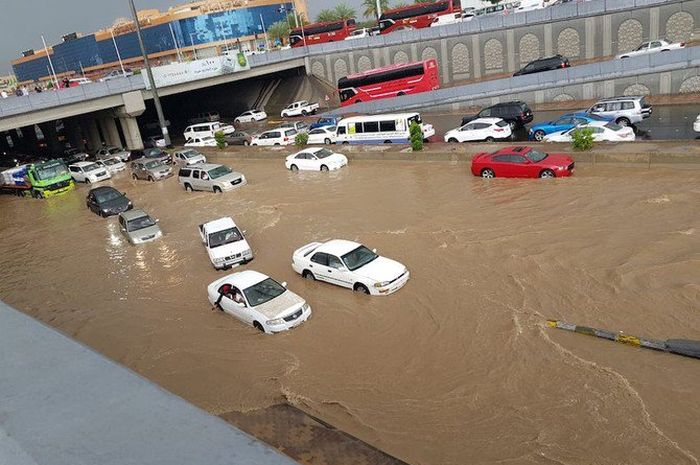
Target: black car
{"points": [[517, 114], [544, 64], [239, 138], [107, 201]]}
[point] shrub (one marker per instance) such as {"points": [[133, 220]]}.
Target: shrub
{"points": [[301, 139], [220, 139], [416, 137], [582, 139]]}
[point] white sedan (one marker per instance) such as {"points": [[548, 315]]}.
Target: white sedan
{"points": [[360, 33], [112, 165], [603, 131], [653, 46], [259, 301], [488, 129], [323, 135], [696, 124], [452, 18], [349, 264], [316, 159], [250, 116], [201, 142]]}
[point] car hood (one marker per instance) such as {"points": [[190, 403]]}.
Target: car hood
{"points": [[282, 305], [229, 177], [382, 269], [120, 204], [336, 158], [149, 231], [227, 250], [158, 169], [557, 159]]}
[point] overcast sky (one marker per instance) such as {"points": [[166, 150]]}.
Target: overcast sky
{"points": [[24, 21]]}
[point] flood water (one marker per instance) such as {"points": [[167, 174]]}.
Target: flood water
{"points": [[455, 368]]}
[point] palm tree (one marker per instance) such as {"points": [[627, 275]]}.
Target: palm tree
{"points": [[325, 16], [278, 31], [370, 7], [343, 11]]}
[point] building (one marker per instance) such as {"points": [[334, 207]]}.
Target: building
{"points": [[202, 28]]}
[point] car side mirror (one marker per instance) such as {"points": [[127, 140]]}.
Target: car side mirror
{"points": [[157, 220], [374, 250], [124, 194], [244, 232], [284, 284]]}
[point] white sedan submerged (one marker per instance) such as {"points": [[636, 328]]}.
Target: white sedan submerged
{"points": [[350, 264], [603, 131], [316, 159]]}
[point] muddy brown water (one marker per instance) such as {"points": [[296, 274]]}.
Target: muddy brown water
{"points": [[457, 367]]}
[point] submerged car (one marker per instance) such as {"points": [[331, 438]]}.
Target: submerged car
{"points": [[521, 162], [350, 264], [138, 227], [239, 138], [564, 123], [112, 165], [259, 301], [152, 170], [210, 177], [111, 152], [107, 201], [602, 131], [188, 157], [88, 172], [317, 159]]}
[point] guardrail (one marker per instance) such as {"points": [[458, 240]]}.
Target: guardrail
{"points": [[655, 63]]}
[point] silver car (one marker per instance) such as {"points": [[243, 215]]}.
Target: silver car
{"points": [[112, 152], [210, 177], [624, 111], [138, 227], [152, 170], [188, 157]]}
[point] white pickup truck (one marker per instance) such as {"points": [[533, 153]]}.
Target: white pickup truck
{"points": [[225, 243], [300, 108]]}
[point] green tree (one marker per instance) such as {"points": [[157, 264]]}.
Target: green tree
{"points": [[370, 7], [344, 11], [326, 15], [301, 139], [220, 138], [582, 139], [416, 136], [278, 31]]}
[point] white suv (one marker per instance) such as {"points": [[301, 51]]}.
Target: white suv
{"points": [[622, 110], [88, 172]]}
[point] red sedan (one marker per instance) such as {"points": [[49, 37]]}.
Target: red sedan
{"points": [[521, 162]]}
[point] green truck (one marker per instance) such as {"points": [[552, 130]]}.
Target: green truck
{"points": [[40, 180]]}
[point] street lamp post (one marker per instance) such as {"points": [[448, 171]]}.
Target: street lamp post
{"points": [[194, 50], [119, 57], [53, 71], [154, 89]]}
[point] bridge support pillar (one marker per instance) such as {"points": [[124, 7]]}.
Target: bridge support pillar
{"points": [[131, 131], [75, 136], [93, 133], [110, 131]]}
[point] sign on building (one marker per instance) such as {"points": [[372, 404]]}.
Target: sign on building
{"points": [[177, 73]]}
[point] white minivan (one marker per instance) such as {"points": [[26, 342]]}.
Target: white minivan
{"points": [[380, 129], [206, 130]]}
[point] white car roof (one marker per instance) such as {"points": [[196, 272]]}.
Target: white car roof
{"points": [[486, 120], [244, 279], [82, 163], [596, 123], [221, 223], [338, 247]]}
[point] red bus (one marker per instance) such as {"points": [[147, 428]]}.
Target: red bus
{"points": [[319, 33], [389, 81], [416, 16]]}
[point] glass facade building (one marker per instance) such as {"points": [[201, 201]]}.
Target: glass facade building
{"points": [[87, 51]]}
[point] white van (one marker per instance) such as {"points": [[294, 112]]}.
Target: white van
{"points": [[380, 129], [206, 130]]}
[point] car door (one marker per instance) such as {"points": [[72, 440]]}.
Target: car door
{"points": [[240, 309], [562, 124], [196, 180], [91, 202], [482, 131], [523, 167], [466, 133], [319, 266], [316, 136], [338, 273], [502, 166], [76, 173], [312, 162], [598, 134]]}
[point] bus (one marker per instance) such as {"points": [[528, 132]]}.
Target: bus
{"points": [[389, 81], [320, 33], [380, 129], [416, 16]]}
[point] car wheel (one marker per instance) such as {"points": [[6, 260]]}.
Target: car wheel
{"points": [[216, 189], [308, 275], [512, 125], [538, 135], [361, 288], [488, 173], [304, 113], [345, 142], [40, 195], [87, 181], [624, 56], [294, 168], [258, 326], [150, 178], [546, 174], [387, 142], [452, 140], [489, 139], [188, 188], [245, 142], [277, 143], [324, 168], [400, 94], [624, 122], [327, 141]]}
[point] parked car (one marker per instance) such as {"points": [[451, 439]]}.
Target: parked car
{"points": [[151, 170], [239, 138], [521, 162], [75, 82], [210, 177], [359, 33], [300, 108], [138, 227], [206, 117], [250, 116], [544, 64], [452, 18], [206, 130], [112, 165], [106, 201], [316, 159], [324, 135], [564, 123], [488, 129], [622, 110], [275, 137], [325, 121], [155, 142], [696, 124], [259, 301], [516, 114], [188, 157], [111, 152], [116, 74], [205, 141], [74, 155], [349, 264], [653, 46], [226, 245], [603, 131], [154, 153], [88, 172]]}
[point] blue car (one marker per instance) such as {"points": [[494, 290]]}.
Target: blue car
{"points": [[325, 121], [564, 123]]}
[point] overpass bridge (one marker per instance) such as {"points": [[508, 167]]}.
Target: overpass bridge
{"points": [[484, 48]]}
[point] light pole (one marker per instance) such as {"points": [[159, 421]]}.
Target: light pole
{"points": [[53, 71], [379, 9], [194, 50], [267, 43], [154, 89], [119, 57], [177, 48]]}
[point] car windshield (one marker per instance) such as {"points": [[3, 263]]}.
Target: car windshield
{"points": [[190, 153], [643, 46], [107, 195], [535, 155], [219, 171], [227, 236], [151, 165], [330, 128], [323, 153], [263, 292], [49, 171], [153, 153], [114, 150], [358, 258], [614, 127], [110, 161], [140, 223], [597, 117], [91, 167]]}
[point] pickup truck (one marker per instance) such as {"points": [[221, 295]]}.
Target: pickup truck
{"points": [[225, 243], [301, 108]]}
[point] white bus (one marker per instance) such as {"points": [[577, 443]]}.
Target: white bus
{"points": [[380, 129]]}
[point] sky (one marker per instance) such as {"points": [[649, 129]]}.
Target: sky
{"points": [[24, 21]]}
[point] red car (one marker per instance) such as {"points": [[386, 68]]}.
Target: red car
{"points": [[521, 162]]}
